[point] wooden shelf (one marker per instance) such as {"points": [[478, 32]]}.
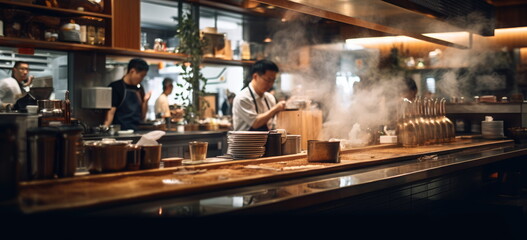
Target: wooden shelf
{"points": [[30, 6], [173, 56], [66, 46]]}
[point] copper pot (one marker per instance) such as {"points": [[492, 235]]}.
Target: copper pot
{"points": [[323, 151], [150, 156], [106, 156]]}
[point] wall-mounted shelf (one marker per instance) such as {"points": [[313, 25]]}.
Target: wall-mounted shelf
{"points": [[173, 56], [65, 46], [45, 9]]}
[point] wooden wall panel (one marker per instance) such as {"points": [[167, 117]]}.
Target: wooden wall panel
{"points": [[126, 24]]}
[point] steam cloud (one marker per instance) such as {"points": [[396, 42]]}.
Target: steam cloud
{"points": [[375, 99]]}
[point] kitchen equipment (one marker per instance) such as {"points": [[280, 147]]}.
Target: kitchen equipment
{"points": [[292, 144], [96, 98], [246, 144], [107, 155], [133, 157], [150, 156], [42, 87], [51, 112], [68, 151], [306, 123], [53, 151], [23, 122], [491, 129], [41, 145], [9, 165], [323, 151], [273, 146]]}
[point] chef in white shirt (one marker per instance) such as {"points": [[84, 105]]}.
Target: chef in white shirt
{"points": [[254, 107], [12, 88]]}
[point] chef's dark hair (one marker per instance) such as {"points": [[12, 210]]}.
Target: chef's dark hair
{"points": [[260, 67], [166, 82], [138, 64], [410, 84], [17, 64]]}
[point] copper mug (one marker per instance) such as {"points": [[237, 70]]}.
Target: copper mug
{"points": [[150, 156]]}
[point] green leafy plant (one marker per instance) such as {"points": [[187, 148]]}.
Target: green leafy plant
{"points": [[192, 45]]}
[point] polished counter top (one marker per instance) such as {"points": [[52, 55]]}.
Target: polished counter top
{"points": [[138, 134], [289, 176]]}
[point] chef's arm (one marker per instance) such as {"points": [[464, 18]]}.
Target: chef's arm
{"points": [[262, 119], [144, 105], [109, 116]]}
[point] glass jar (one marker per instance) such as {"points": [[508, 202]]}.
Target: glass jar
{"points": [[91, 35], [101, 37]]}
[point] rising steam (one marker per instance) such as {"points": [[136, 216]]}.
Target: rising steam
{"points": [[376, 97]]}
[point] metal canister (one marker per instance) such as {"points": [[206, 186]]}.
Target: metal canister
{"points": [[41, 145], [291, 145], [9, 161], [273, 146], [69, 149], [133, 157], [323, 151]]}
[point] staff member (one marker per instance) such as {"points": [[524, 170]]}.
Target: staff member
{"points": [[161, 107], [12, 88], [254, 107], [129, 101]]}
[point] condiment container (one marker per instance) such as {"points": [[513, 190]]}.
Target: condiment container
{"points": [[150, 156], [323, 151], [107, 155], [291, 145]]}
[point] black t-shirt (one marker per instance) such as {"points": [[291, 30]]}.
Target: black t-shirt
{"points": [[118, 91]]}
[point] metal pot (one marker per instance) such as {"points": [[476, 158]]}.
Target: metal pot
{"points": [[106, 156], [291, 145], [323, 151]]}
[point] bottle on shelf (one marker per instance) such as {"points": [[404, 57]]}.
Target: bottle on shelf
{"points": [[67, 108]]}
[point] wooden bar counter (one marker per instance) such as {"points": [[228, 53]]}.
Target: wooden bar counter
{"points": [[360, 170]]}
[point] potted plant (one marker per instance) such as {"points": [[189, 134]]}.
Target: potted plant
{"points": [[191, 44]]}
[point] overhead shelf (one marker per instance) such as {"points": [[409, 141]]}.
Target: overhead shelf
{"points": [[34, 7]]}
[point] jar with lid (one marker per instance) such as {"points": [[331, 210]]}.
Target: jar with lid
{"points": [[90, 34], [101, 38]]}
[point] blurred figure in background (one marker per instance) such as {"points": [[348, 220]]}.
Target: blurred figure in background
{"points": [[409, 89], [161, 107], [226, 107]]}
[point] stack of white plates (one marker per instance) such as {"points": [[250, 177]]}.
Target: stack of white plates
{"points": [[246, 144]]}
